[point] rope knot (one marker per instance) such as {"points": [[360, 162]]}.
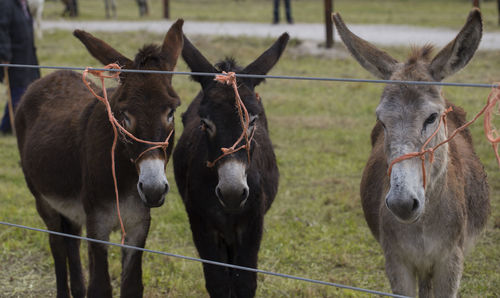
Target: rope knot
{"points": [[228, 78]]}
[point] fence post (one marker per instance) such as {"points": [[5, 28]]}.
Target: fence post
{"points": [[329, 23], [166, 9], [498, 8]]}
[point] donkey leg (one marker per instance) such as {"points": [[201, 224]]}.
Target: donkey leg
{"points": [[211, 247], [447, 274], [99, 225], [246, 254], [403, 280], [425, 287], [77, 280], [131, 284], [53, 221]]}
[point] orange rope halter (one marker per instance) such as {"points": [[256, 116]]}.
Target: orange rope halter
{"points": [[229, 78], [491, 133], [116, 126]]}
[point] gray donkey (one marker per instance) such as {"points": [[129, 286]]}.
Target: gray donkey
{"points": [[424, 231]]}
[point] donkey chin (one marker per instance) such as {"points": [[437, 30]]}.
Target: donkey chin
{"points": [[152, 185], [232, 189]]}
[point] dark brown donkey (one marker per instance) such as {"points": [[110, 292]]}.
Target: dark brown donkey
{"points": [[64, 138], [424, 232], [226, 202]]}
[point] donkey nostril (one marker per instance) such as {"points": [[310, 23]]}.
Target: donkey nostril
{"points": [[416, 204], [165, 190], [140, 186]]}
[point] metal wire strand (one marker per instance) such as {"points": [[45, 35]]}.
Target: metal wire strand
{"points": [[351, 80], [203, 260]]}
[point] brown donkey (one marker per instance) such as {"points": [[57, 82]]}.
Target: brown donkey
{"points": [[64, 139], [424, 232]]}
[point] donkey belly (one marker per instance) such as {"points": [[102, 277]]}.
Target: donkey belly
{"points": [[71, 208], [51, 166]]}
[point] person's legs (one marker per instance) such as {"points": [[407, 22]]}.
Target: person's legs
{"points": [[276, 13], [15, 94], [288, 10]]}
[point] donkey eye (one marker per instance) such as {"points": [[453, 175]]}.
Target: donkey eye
{"points": [[430, 119], [253, 119], [170, 116], [126, 119], [203, 125], [251, 124], [208, 126]]}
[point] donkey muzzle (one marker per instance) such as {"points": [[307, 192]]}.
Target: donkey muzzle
{"points": [[405, 207], [232, 189], [152, 185], [406, 198]]}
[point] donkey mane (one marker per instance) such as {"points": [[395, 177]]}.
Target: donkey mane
{"points": [[420, 53], [415, 67], [228, 64], [149, 56]]}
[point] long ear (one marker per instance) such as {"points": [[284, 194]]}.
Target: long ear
{"points": [[172, 44], [197, 63], [267, 60], [101, 50], [378, 62], [460, 50]]}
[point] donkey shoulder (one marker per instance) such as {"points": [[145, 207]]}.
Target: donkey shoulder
{"points": [[469, 166]]}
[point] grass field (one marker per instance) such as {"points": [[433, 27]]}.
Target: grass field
{"points": [[431, 13], [315, 228]]}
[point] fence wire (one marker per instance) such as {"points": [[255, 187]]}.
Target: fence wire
{"points": [[304, 78], [326, 283]]}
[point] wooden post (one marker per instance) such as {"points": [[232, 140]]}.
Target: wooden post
{"points": [[329, 23], [166, 9], [498, 8]]}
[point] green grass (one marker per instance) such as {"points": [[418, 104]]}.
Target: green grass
{"points": [[431, 13], [315, 227]]}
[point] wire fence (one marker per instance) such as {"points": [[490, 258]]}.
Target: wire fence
{"points": [[302, 78], [203, 260], [305, 78]]}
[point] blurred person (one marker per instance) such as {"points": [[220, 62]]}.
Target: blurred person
{"points": [[16, 47], [70, 8], [288, 12]]}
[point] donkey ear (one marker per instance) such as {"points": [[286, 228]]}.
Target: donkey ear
{"points": [[459, 51], [172, 44], [267, 60], [378, 62], [197, 63], [101, 50]]}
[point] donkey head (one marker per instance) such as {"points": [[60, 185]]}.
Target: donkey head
{"points": [[220, 120], [145, 105], [409, 114]]}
